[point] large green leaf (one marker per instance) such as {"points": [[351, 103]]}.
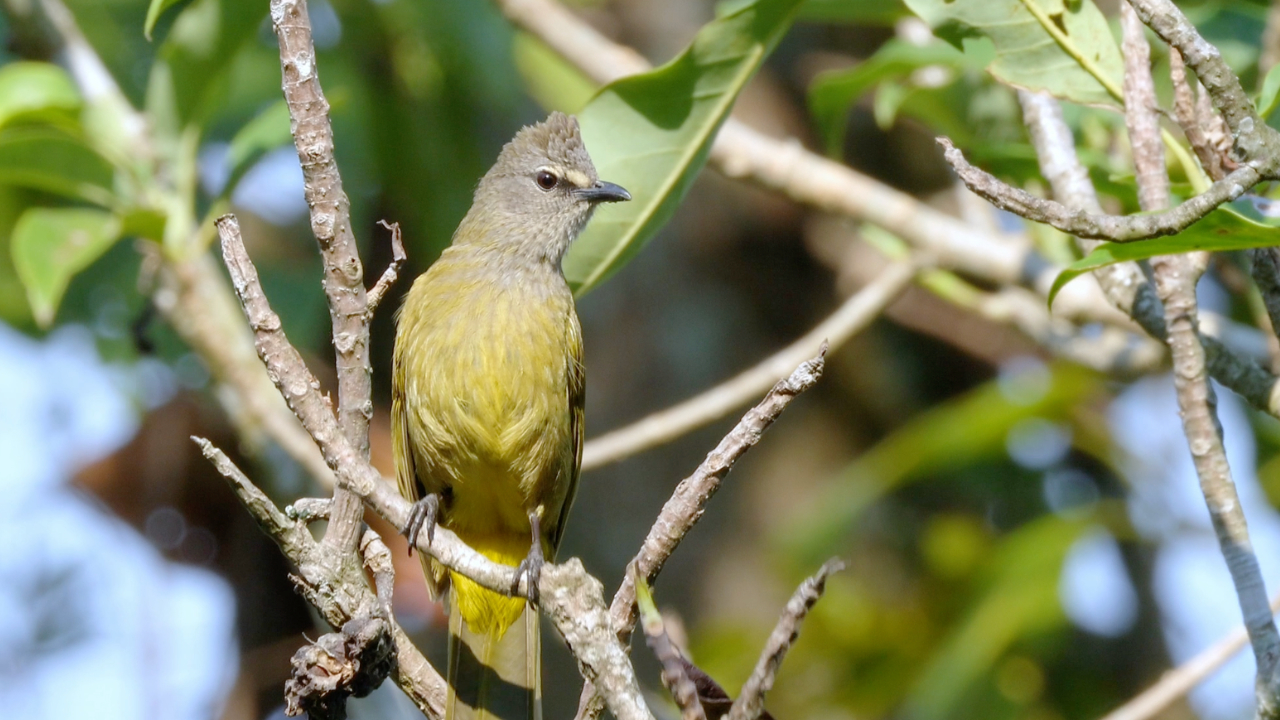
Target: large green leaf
{"points": [[35, 88], [51, 245], [1237, 226], [651, 133], [51, 161], [1063, 47], [832, 92]]}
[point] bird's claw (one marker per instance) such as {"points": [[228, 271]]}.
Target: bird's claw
{"points": [[531, 569], [531, 566], [423, 515]]}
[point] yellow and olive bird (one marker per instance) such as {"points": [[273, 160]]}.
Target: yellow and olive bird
{"points": [[487, 404]]}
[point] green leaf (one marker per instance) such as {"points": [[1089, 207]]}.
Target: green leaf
{"points": [[44, 159], [1270, 95], [202, 45], [1065, 49], [1236, 226], [651, 133], [833, 92], [28, 88], [50, 245], [264, 133], [154, 11]]}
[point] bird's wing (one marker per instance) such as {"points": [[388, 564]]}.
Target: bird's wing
{"points": [[407, 474], [577, 426]]}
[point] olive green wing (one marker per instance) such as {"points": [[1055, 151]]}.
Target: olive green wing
{"points": [[406, 470], [577, 388]]}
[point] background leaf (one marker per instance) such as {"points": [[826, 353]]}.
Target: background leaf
{"points": [[650, 133], [45, 159], [1066, 49], [832, 92], [28, 88], [51, 245], [154, 11]]}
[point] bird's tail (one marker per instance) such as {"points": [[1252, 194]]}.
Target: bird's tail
{"points": [[496, 674]]}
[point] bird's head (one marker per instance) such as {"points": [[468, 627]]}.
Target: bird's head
{"points": [[542, 190]]}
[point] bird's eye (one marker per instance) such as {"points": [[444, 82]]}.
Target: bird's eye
{"points": [[546, 179]]}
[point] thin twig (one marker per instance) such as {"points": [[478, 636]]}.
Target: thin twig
{"points": [[1181, 680], [674, 676], [686, 505], [1115, 228], [1175, 278], [1184, 108], [750, 702], [331, 225], [392, 272], [1254, 140], [855, 314], [344, 597], [1141, 114]]}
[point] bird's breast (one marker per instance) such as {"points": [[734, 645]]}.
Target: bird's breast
{"points": [[485, 374]]}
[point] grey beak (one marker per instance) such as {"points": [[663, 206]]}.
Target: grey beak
{"points": [[603, 192]]}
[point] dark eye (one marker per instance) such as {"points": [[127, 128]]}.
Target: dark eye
{"points": [[546, 179]]}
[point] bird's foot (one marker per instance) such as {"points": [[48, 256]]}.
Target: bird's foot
{"points": [[531, 566], [423, 516]]}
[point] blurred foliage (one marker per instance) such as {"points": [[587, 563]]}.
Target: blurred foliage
{"points": [[950, 607]]}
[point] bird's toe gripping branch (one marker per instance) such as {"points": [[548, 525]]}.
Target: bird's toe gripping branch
{"points": [[531, 566], [424, 514]]}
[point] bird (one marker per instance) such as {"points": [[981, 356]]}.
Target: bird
{"points": [[488, 390]]}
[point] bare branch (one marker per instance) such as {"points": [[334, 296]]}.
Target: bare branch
{"points": [[1175, 278], [1184, 108], [392, 272], [674, 676], [686, 505], [1181, 680], [750, 702], [1254, 140], [1141, 114], [331, 225], [294, 540], [856, 313], [345, 597], [1104, 227]]}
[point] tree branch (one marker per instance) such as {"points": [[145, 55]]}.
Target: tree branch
{"points": [[334, 592], [331, 225], [1181, 680], [686, 505], [750, 702], [1115, 228]]}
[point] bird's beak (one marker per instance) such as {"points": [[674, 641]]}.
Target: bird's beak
{"points": [[603, 192]]}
